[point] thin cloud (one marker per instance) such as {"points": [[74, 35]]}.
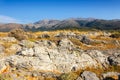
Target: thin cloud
{"points": [[7, 19]]}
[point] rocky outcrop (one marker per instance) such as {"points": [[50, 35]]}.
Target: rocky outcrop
{"points": [[47, 56]]}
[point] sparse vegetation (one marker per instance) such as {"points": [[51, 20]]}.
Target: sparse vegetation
{"points": [[100, 42]]}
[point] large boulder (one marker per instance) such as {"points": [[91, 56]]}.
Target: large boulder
{"points": [[87, 75]]}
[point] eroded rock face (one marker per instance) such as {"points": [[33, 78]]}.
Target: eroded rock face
{"points": [[47, 56], [99, 57]]}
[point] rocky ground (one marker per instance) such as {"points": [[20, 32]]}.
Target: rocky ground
{"points": [[59, 55]]}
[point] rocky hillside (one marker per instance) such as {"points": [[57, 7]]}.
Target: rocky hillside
{"points": [[89, 23], [60, 55], [73, 23]]}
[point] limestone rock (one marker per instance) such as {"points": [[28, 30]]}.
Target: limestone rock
{"points": [[1, 49], [87, 75], [44, 36], [79, 78], [26, 44], [8, 39], [2, 66], [99, 57], [60, 35], [46, 43], [86, 40], [15, 47], [26, 52], [114, 59], [111, 76], [65, 43]]}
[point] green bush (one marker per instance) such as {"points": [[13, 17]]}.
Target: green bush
{"points": [[5, 77], [68, 76]]}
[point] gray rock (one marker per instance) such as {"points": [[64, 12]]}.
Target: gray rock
{"points": [[44, 36], [64, 57], [111, 76], [60, 35], [26, 44], [99, 57], [87, 75], [46, 43], [71, 35], [114, 59], [1, 49], [2, 66], [26, 52], [65, 43], [15, 47], [79, 78], [8, 39], [86, 40]]}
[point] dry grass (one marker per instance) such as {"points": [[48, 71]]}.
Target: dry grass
{"points": [[3, 34], [100, 70]]}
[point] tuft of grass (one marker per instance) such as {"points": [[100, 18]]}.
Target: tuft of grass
{"points": [[5, 77]]}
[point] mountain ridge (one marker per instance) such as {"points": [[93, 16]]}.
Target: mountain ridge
{"points": [[42, 25]]}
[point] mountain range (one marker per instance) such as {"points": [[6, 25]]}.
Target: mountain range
{"points": [[72, 23]]}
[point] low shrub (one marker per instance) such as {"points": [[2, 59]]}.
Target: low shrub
{"points": [[68, 76], [19, 34]]}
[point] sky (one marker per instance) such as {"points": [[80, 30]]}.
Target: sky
{"points": [[29, 11]]}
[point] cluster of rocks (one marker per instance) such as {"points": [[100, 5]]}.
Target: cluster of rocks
{"points": [[46, 58], [63, 57]]}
